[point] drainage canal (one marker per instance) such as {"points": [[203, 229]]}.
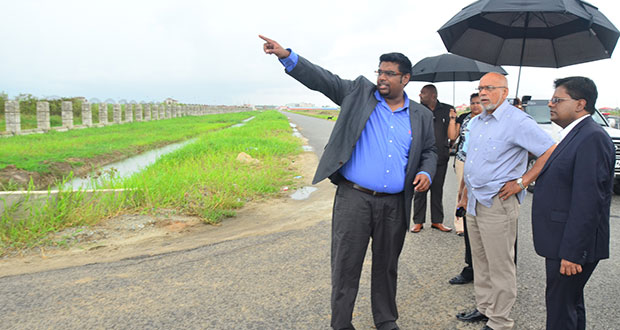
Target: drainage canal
{"points": [[124, 168], [129, 166]]}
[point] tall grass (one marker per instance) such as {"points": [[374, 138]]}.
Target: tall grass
{"points": [[203, 179]]}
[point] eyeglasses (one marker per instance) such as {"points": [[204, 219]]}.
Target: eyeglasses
{"points": [[472, 103], [556, 100], [488, 88], [388, 73]]}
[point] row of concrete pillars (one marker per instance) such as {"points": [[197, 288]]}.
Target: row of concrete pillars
{"points": [[137, 112]]}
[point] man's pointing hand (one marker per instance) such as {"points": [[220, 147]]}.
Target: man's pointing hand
{"points": [[272, 47]]}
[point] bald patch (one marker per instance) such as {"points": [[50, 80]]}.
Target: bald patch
{"points": [[494, 79]]}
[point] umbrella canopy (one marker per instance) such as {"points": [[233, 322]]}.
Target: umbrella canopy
{"points": [[450, 67], [539, 33]]}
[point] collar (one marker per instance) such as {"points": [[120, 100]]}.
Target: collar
{"points": [[567, 129], [498, 113], [381, 99]]}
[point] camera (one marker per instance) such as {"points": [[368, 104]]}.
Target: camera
{"points": [[460, 212]]}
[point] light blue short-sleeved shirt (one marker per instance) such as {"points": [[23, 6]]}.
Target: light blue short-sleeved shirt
{"points": [[497, 152]]}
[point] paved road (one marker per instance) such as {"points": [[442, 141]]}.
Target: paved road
{"points": [[281, 281]]}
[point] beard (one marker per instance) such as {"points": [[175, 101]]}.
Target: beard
{"points": [[491, 106]]}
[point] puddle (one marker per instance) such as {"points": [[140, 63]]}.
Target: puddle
{"points": [[303, 193], [243, 122], [295, 131], [298, 135], [125, 167]]}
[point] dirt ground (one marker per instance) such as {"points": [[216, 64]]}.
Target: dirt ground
{"points": [[134, 235]]}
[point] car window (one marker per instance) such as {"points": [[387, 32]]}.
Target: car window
{"points": [[539, 110], [599, 119]]}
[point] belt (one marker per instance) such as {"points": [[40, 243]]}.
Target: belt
{"points": [[364, 190]]}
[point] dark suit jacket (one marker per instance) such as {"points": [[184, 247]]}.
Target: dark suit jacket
{"points": [[357, 101], [570, 209]]}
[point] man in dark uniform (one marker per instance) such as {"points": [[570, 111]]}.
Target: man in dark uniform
{"points": [[444, 122]]}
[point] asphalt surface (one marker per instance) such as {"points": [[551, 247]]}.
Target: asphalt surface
{"points": [[281, 281]]}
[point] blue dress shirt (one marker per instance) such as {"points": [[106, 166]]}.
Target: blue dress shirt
{"points": [[497, 152], [379, 160]]}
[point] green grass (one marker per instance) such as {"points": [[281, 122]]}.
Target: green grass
{"points": [[334, 117], [37, 152], [203, 179]]}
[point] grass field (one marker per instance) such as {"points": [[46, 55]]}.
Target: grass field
{"points": [[37, 152], [202, 179]]}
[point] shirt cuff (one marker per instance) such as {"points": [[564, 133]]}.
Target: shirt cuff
{"points": [[291, 61], [428, 175]]}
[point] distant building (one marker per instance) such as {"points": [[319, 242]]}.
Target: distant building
{"points": [[170, 101], [462, 108], [300, 105], [266, 106]]}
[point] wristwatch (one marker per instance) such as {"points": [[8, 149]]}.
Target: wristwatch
{"points": [[520, 183]]}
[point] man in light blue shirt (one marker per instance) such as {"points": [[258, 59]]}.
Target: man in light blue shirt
{"points": [[499, 141]]}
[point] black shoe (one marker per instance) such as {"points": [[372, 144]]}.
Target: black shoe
{"points": [[474, 316], [459, 279], [486, 327], [390, 325]]}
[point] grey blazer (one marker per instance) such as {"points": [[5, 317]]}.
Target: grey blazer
{"points": [[357, 101]]}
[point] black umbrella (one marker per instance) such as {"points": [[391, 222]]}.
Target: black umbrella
{"points": [[450, 67], [539, 33]]}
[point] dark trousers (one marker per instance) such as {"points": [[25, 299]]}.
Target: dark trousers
{"points": [[564, 296], [419, 199], [468, 271], [357, 217]]}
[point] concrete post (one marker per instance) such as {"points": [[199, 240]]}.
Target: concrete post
{"points": [[12, 118], [155, 113], [103, 113], [87, 114], [117, 113], [138, 112], [67, 114], [168, 111], [43, 116], [128, 113], [147, 112]]}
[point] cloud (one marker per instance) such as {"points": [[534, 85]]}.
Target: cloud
{"points": [[206, 52]]}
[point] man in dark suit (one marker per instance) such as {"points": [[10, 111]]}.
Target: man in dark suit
{"points": [[381, 149], [444, 121], [570, 210]]}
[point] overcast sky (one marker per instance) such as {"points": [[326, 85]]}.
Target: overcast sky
{"points": [[209, 52]]}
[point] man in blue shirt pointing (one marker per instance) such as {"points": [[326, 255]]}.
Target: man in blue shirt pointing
{"points": [[381, 150]]}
